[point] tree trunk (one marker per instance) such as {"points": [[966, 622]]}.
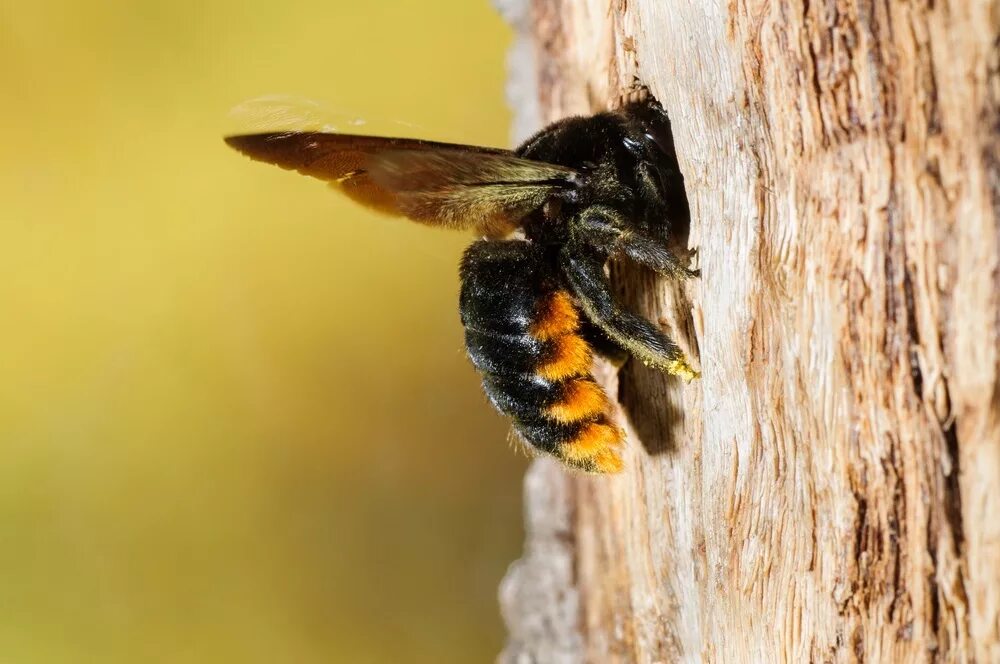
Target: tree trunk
{"points": [[830, 489]]}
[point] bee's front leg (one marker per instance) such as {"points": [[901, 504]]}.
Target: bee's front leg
{"points": [[606, 230]]}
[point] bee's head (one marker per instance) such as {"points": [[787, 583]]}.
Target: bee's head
{"points": [[654, 172], [624, 160]]}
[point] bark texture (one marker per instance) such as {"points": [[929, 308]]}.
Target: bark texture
{"points": [[830, 489]]}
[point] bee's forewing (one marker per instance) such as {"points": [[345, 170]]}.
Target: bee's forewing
{"points": [[440, 184]]}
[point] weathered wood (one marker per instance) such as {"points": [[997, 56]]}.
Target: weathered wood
{"points": [[830, 489]]}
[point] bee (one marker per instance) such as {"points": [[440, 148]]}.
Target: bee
{"points": [[535, 301]]}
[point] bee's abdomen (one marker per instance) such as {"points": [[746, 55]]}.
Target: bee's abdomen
{"points": [[522, 333]]}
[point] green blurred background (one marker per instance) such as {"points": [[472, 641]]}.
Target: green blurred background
{"points": [[235, 412]]}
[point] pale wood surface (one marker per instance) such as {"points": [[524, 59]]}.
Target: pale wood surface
{"points": [[830, 489]]}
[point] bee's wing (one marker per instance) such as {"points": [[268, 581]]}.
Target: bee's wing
{"points": [[440, 184]]}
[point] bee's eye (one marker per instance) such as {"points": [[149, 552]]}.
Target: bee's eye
{"points": [[633, 146], [660, 141]]}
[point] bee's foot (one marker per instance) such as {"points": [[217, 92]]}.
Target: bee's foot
{"points": [[682, 369]]}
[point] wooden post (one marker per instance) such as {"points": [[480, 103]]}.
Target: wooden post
{"points": [[830, 489]]}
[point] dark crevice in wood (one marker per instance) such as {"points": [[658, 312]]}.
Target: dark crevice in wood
{"points": [[911, 327], [953, 492]]}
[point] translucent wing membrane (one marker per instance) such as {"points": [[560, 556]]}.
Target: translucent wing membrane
{"points": [[440, 184], [458, 186], [291, 113]]}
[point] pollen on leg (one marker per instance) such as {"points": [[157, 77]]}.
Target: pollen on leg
{"points": [[581, 399], [680, 367], [593, 439], [569, 356], [556, 315]]}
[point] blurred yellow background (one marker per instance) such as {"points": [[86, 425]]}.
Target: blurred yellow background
{"points": [[237, 420]]}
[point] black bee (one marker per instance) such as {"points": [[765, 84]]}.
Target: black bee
{"points": [[535, 301]]}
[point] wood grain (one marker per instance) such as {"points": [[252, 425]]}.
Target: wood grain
{"points": [[830, 489]]}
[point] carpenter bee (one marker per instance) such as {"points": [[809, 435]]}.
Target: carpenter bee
{"points": [[535, 301]]}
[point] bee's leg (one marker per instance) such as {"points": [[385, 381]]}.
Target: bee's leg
{"points": [[651, 253], [584, 270], [602, 344], [604, 229]]}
